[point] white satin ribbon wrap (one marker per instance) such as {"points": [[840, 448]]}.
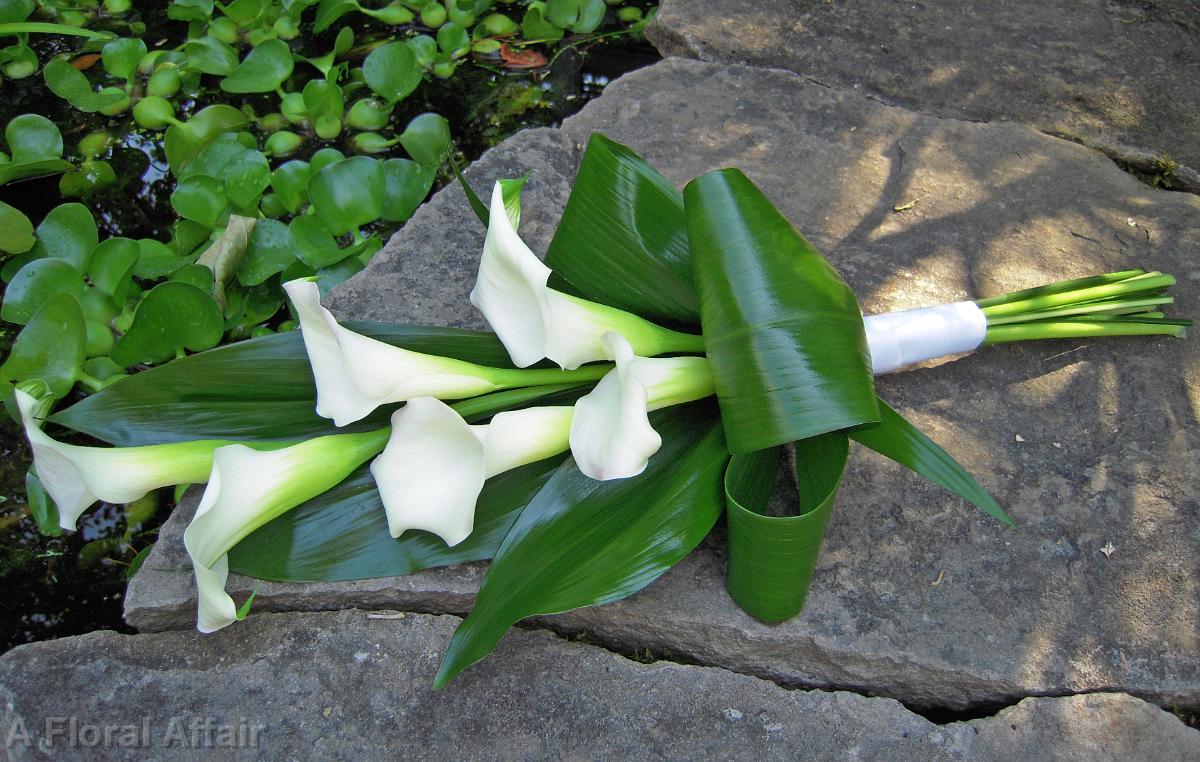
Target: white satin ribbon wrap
{"points": [[897, 339]]}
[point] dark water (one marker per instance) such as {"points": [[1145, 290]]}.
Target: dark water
{"points": [[58, 586]]}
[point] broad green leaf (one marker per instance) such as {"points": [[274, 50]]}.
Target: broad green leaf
{"points": [[343, 43], [50, 347], [260, 390], [41, 507], [582, 542], [92, 175], [171, 317], [112, 266], [343, 534], [221, 153], [453, 39], [190, 10], [268, 252], [580, 16], [904, 443], [70, 84], [36, 147], [622, 240], [121, 56], [535, 25], [406, 186], [771, 558], [16, 231], [267, 66], [329, 11], [227, 253], [34, 285], [427, 139], [98, 306], [290, 181], [313, 243], [208, 55], [781, 328], [323, 98], [69, 233], [424, 49], [182, 143], [323, 158], [247, 179], [157, 260], [392, 71], [12, 11], [196, 275], [202, 199], [348, 194]]}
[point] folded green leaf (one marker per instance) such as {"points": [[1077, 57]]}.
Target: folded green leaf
{"points": [[782, 329], [582, 542]]}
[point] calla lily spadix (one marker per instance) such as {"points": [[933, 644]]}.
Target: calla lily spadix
{"points": [[535, 321], [76, 476], [611, 435], [355, 374], [248, 488], [434, 466]]}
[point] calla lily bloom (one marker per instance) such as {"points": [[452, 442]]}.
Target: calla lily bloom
{"points": [[355, 374], [434, 466], [611, 435], [75, 476], [535, 321], [248, 488]]}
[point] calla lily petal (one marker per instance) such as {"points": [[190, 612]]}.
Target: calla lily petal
{"points": [[248, 488], [434, 466], [355, 374], [535, 321], [75, 476], [611, 436]]}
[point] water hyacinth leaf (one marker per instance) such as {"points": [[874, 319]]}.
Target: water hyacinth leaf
{"points": [[453, 39], [34, 284], [16, 231], [50, 347], [772, 558], [323, 158], [209, 55], [112, 266], [12, 11], [622, 240], [181, 143], [157, 260], [266, 67], [427, 139], [348, 194], [70, 84], [343, 534], [781, 328], [535, 25], [92, 175], [624, 533], [329, 11], [329, 278], [261, 302], [41, 507], [904, 443], [406, 186], [290, 181], [392, 71], [121, 56], [226, 254], [190, 10], [201, 199], [222, 152], [580, 16], [246, 180], [313, 243], [256, 390], [323, 98], [268, 252], [68, 233], [36, 147], [196, 275], [172, 317], [13, 265]]}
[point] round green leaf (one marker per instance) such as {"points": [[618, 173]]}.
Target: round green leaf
{"points": [[407, 184], [68, 232], [424, 49], [112, 265], [323, 98], [97, 305], [265, 68], [453, 39], [172, 317], [156, 259], [92, 175], [190, 10], [392, 71], [34, 285], [183, 142], [324, 158], [121, 56], [12, 11], [50, 347], [209, 55], [196, 275], [223, 151], [247, 179], [68, 83], [313, 243], [268, 252], [16, 231], [427, 139], [535, 25], [348, 194], [32, 137], [290, 181], [200, 198]]}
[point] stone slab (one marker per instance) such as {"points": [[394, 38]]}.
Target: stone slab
{"points": [[917, 596], [347, 686], [1118, 75]]}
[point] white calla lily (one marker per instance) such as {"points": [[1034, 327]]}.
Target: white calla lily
{"points": [[248, 488], [75, 476], [535, 321], [611, 436], [434, 466]]}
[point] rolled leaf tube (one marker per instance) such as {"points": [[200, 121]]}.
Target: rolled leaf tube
{"points": [[535, 321]]}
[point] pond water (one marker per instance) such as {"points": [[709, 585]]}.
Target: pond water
{"points": [[58, 586]]}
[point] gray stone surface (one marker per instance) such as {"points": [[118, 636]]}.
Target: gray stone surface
{"points": [[347, 686], [917, 595], [1119, 75]]}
